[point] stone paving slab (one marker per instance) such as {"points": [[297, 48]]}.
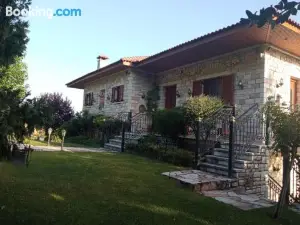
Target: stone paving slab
{"points": [[195, 176], [241, 201], [70, 149]]}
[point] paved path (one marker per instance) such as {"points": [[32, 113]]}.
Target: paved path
{"points": [[241, 201], [71, 149]]}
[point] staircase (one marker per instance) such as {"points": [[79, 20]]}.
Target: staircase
{"points": [[139, 126], [217, 162], [249, 156], [115, 144]]}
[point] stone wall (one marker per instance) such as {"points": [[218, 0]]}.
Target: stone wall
{"points": [[135, 84], [110, 108], [279, 65], [141, 83], [246, 65]]}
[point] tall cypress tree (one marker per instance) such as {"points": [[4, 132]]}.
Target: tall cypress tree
{"points": [[13, 40]]}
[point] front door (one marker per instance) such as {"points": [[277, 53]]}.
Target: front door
{"points": [[170, 97], [293, 93]]}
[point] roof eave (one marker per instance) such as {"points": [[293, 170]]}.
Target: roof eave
{"points": [[79, 82]]}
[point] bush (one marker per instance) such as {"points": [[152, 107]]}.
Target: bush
{"points": [[83, 140], [176, 156], [200, 107], [85, 124], [169, 123]]}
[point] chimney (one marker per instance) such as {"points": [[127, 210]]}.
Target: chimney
{"points": [[99, 58]]}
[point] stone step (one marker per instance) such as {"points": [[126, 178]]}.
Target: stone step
{"points": [[115, 141], [131, 137], [223, 161], [220, 170], [200, 181], [223, 152], [254, 148], [112, 147]]}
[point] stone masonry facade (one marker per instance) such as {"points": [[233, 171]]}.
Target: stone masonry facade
{"points": [[245, 65], [135, 85]]}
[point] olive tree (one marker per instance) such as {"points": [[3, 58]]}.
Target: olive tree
{"points": [[285, 126]]}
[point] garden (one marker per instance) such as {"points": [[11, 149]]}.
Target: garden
{"points": [[105, 188]]}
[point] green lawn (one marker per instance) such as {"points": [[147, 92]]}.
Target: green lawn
{"points": [[61, 188], [66, 144]]}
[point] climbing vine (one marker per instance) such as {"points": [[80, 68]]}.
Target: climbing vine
{"points": [[152, 99]]}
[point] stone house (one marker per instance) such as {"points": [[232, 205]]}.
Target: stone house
{"points": [[242, 65]]}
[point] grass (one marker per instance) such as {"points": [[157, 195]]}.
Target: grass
{"points": [[103, 188], [66, 144]]}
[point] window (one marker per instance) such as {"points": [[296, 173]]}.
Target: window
{"points": [[102, 99], [117, 93], [221, 87], [212, 87], [88, 99]]}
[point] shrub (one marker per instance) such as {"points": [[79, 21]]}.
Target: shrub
{"points": [[85, 124], [200, 107], [83, 140], [173, 155], [169, 123]]}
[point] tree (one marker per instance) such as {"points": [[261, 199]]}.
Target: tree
{"points": [[273, 15], [13, 31], [285, 126], [53, 110], [14, 76], [13, 106]]}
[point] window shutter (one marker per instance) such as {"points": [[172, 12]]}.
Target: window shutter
{"points": [[228, 90], [113, 94], [197, 88], [121, 93], [85, 99], [92, 98]]}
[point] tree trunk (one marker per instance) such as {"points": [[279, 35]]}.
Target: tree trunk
{"points": [[284, 195], [285, 182]]}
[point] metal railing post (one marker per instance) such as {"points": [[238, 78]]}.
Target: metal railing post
{"points": [[123, 137], [197, 143], [231, 142], [129, 121]]}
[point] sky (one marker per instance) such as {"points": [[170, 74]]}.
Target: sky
{"points": [[65, 48]]}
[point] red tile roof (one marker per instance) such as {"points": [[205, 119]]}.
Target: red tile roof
{"points": [[239, 24], [134, 59]]}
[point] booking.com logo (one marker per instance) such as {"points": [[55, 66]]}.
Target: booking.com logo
{"points": [[46, 12]]}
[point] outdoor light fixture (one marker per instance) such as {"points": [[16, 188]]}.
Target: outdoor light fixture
{"points": [[177, 94], [280, 84], [241, 85], [190, 92], [49, 134], [63, 134], [143, 96]]}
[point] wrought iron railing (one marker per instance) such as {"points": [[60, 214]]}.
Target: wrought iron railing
{"points": [[248, 129], [274, 189], [295, 180], [139, 125]]}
